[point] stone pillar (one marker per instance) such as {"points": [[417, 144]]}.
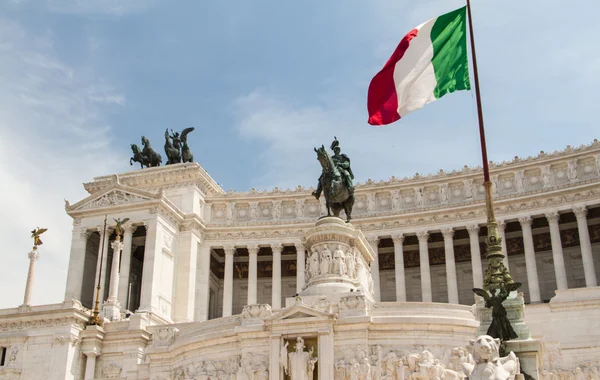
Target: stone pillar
{"points": [[423, 237], [374, 241], [101, 262], [91, 347], [90, 366], [530, 263], [501, 232], [326, 355], [125, 265], [252, 273], [475, 256], [398, 239], [76, 263], [111, 308], [448, 233], [186, 270], [150, 272], [300, 267], [33, 257], [203, 283], [586, 246], [557, 250], [228, 281], [276, 294]]}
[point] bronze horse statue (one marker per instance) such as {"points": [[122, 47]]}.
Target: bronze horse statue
{"points": [[337, 195], [152, 158], [137, 156]]}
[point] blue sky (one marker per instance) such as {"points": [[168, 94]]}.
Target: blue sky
{"points": [[262, 82]]}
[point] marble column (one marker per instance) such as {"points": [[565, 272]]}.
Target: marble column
{"points": [[300, 267], [113, 288], [475, 256], [252, 273], [125, 264], [76, 263], [502, 233], [152, 266], [374, 241], [90, 366], [452, 284], [186, 270], [423, 237], [276, 294], [530, 262], [228, 281], [398, 240], [586, 246], [203, 283], [557, 250], [33, 257]]}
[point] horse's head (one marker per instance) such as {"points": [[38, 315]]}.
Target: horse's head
{"points": [[145, 141], [135, 149], [325, 159]]}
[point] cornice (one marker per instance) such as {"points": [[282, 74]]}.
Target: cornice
{"points": [[178, 175]]}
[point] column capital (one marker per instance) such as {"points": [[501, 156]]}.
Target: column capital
{"points": [[34, 255], [552, 217], [373, 240], [525, 221], [501, 225], [117, 245], [128, 228], [84, 233], [423, 236], [229, 250], [473, 229], [299, 246], [398, 239], [448, 233], [580, 211], [253, 249], [277, 247]]}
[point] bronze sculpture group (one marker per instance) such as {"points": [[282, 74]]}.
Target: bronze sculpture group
{"points": [[335, 181], [176, 149]]}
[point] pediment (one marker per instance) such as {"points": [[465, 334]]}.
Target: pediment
{"points": [[112, 196], [301, 310]]}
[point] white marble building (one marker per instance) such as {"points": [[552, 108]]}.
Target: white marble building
{"points": [[194, 256]]}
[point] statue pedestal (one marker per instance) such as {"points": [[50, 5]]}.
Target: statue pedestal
{"points": [[515, 310], [111, 310], [338, 261]]}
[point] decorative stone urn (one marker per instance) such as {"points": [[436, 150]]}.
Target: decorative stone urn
{"points": [[338, 260]]}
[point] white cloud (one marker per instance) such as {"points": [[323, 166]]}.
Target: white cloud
{"points": [[112, 7], [52, 132]]}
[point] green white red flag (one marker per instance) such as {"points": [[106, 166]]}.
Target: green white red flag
{"points": [[430, 62]]}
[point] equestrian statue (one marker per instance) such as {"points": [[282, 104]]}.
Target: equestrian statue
{"points": [[147, 156], [335, 181]]}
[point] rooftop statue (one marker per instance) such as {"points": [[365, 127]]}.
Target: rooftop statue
{"points": [[335, 181], [147, 156], [35, 235], [177, 148]]}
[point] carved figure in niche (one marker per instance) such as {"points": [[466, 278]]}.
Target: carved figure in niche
{"points": [[488, 363], [299, 208], [468, 185], [276, 210], [350, 263], [419, 195], [546, 176], [377, 368], [395, 200], [313, 263], [444, 193], [339, 261], [500, 327], [325, 260], [229, 215], [253, 211], [519, 177], [572, 170], [298, 365]]}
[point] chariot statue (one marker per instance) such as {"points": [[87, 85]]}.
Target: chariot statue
{"points": [[145, 157], [176, 146], [335, 181]]}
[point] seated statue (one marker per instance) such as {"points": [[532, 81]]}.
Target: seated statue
{"points": [[488, 363]]}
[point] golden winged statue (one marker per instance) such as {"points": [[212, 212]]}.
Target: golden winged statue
{"points": [[35, 234], [119, 227]]}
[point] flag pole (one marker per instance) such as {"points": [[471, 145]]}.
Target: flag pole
{"points": [[95, 320], [493, 240]]}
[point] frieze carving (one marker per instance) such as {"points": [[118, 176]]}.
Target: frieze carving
{"points": [[260, 311], [115, 197], [249, 366], [354, 303], [111, 371], [42, 323], [164, 336]]}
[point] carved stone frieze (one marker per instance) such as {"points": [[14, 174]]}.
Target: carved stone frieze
{"points": [[41, 323], [111, 371], [260, 311], [115, 197], [164, 336]]}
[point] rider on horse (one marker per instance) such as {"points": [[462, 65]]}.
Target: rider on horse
{"points": [[342, 163]]}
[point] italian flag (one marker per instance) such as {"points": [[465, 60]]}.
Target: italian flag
{"points": [[430, 62]]}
